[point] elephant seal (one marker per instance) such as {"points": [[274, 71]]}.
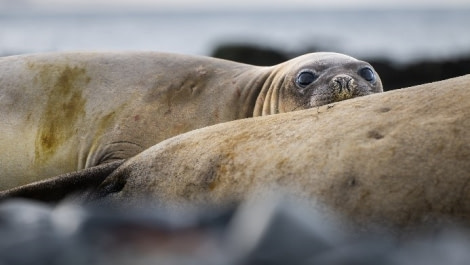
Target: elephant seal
{"points": [[63, 112], [395, 159]]}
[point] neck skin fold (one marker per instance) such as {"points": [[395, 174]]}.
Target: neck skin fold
{"points": [[251, 91], [267, 102]]}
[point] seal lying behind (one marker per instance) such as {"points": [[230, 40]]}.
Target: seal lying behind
{"points": [[63, 112], [396, 158]]}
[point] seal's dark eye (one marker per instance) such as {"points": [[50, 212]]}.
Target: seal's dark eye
{"points": [[367, 74], [305, 78]]}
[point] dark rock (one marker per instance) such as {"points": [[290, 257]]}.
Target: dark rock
{"points": [[250, 54], [396, 76]]}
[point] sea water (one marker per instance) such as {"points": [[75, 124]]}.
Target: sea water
{"points": [[398, 35]]}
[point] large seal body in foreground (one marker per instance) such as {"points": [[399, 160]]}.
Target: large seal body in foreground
{"points": [[62, 112], [394, 159]]}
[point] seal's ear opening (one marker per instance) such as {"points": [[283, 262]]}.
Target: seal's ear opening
{"points": [[57, 188], [115, 182]]}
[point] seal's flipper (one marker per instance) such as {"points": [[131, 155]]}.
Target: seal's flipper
{"points": [[57, 188]]}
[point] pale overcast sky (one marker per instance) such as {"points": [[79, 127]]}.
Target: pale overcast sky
{"points": [[239, 4]]}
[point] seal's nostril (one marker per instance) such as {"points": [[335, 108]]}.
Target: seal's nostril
{"points": [[350, 84], [339, 85]]}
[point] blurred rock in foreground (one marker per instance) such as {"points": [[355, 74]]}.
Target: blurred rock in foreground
{"points": [[259, 232], [393, 75]]}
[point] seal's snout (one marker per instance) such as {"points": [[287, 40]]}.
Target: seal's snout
{"points": [[343, 86], [343, 83]]}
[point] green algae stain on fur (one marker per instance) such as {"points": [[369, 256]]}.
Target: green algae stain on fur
{"points": [[64, 107]]}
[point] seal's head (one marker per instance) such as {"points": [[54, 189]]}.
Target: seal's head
{"points": [[316, 79]]}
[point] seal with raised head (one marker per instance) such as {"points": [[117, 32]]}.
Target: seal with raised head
{"points": [[63, 112]]}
